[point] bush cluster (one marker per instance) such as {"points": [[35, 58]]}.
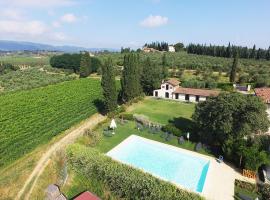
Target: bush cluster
{"points": [[124, 181], [170, 128]]}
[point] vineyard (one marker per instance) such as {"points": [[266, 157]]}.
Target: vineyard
{"points": [[30, 118]]}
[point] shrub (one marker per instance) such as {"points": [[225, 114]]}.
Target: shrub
{"points": [[265, 191], [170, 128], [245, 185], [122, 180], [94, 136], [126, 116]]}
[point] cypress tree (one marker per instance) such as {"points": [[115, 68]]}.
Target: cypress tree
{"points": [[164, 64], [109, 86], [130, 80], [234, 67], [253, 52], [150, 79], [85, 65], [267, 56]]}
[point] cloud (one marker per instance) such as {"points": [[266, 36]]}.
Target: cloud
{"points": [[68, 18], [11, 14], [40, 3], [56, 24], [32, 28], [154, 21]]}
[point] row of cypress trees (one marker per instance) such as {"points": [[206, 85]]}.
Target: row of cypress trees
{"points": [[138, 77], [229, 51]]}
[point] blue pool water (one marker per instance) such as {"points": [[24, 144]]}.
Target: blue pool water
{"points": [[163, 161]]}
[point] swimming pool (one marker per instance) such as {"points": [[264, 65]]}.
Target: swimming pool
{"points": [[164, 161]]}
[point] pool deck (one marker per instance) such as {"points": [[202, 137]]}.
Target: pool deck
{"points": [[219, 183]]}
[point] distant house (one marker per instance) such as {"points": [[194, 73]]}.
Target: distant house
{"points": [[264, 93], [148, 50], [170, 89], [171, 48]]}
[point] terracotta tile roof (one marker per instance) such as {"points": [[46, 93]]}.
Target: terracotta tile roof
{"points": [[87, 196], [264, 93], [173, 82], [199, 92]]}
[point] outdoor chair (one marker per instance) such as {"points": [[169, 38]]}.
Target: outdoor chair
{"points": [[107, 133], [198, 146], [181, 140], [169, 137], [220, 159], [164, 135]]}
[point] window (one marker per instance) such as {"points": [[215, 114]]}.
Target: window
{"points": [[197, 98], [187, 97], [167, 95], [176, 96], [156, 93], [167, 87]]}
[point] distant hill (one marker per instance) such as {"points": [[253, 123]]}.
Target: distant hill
{"points": [[6, 45]]}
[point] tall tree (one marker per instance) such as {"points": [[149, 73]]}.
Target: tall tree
{"points": [[130, 80], [253, 52], [150, 79], [109, 86], [267, 57], [85, 65], [164, 64], [234, 68]]}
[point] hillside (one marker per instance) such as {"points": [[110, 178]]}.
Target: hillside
{"points": [[6, 45]]}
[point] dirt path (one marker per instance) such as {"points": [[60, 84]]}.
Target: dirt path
{"points": [[44, 160]]}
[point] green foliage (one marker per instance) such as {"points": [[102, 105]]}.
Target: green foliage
{"points": [[32, 78], [150, 78], [160, 46], [234, 68], [31, 118], [122, 180], [94, 137], [265, 191], [126, 116], [179, 47], [170, 128], [245, 185], [109, 86], [66, 61], [85, 65], [225, 120], [73, 61], [130, 80], [254, 158]]}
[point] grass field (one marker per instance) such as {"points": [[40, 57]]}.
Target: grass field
{"points": [[26, 60], [164, 111], [34, 117]]}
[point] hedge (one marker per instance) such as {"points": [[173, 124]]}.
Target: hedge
{"points": [[122, 180]]}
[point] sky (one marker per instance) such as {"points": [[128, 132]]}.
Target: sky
{"points": [[132, 23]]}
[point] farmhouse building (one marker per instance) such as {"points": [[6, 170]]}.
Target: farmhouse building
{"points": [[171, 49], [170, 89], [264, 93]]}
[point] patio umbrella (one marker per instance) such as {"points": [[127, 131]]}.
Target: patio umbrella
{"points": [[188, 135], [113, 125]]}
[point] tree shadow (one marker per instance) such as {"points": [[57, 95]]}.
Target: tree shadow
{"points": [[186, 125], [99, 104]]}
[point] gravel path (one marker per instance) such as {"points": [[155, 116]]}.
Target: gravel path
{"points": [[44, 160]]}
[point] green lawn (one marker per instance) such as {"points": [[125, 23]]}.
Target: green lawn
{"points": [[162, 111], [238, 190], [127, 129]]}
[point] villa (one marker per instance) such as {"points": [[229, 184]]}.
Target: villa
{"points": [[170, 89]]}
